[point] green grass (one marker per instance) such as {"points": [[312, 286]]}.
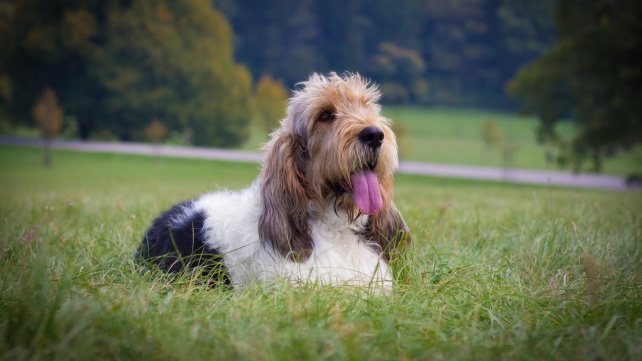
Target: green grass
{"points": [[495, 272], [452, 136]]}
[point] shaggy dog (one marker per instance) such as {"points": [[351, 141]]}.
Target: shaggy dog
{"points": [[320, 211]]}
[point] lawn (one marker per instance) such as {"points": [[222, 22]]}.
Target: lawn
{"points": [[496, 271], [453, 136]]}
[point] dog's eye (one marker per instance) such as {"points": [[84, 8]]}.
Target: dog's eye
{"points": [[326, 116]]}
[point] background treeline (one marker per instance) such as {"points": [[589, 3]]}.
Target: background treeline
{"points": [[202, 70], [119, 65], [459, 52], [116, 65]]}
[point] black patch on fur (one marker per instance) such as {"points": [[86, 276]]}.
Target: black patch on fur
{"points": [[176, 246]]}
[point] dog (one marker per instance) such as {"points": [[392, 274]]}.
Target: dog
{"points": [[320, 211]]}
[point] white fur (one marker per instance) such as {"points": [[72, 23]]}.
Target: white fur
{"points": [[339, 256]]}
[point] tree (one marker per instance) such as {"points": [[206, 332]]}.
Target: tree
{"points": [[155, 131], [6, 12], [592, 75], [470, 48], [270, 97], [458, 52], [279, 37], [526, 29], [47, 42], [115, 64], [399, 69], [48, 117], [490, 134], [5, 97], [175, 64], [342, 42]]}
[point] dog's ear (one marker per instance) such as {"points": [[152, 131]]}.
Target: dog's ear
{"points": [[388, 228], [284, 217]]}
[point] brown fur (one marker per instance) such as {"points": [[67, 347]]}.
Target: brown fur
{"points": [[307, 158]]}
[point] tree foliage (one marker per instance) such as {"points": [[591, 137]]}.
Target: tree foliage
{"points": [[47, 113], [175, 64], [270, 98], [490, 134], [592, 75], [48, 118], [46, 42], [118, 63], [115, 64], [468, 49], [155, 131], [396, 67]]}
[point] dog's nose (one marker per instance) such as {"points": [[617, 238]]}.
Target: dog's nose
{"points": [[371, 136]]}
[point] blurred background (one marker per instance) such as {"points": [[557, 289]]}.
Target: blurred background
{"points": [[523, 84]]}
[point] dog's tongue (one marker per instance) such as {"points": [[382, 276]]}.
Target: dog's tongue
{"points": [[366, 192]]}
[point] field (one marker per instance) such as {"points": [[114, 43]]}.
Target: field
{"points": [[453, 136], [496, 271]]}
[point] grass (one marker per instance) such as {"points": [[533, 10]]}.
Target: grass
{"points": [[452, 136], [495, 272]]}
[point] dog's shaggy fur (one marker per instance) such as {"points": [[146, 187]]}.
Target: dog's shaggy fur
{"points": [[321, 210]]}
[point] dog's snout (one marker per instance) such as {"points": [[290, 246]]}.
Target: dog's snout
{"points": [[371, 136]]}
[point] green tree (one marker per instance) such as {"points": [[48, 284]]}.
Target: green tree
{"points": [[117, 63], [593, 75], [155, 131], [526, 29], [47, 42], [279, 37], [48, 118], [176, 64], [470, 48], [490, 134], [342, 42], [6, 13], [457, 49], [270, 97], [399, 70]]}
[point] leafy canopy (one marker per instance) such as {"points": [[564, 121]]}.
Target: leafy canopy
{"points": [[270, 98], [47, 113], [592, 75], [117, 64]]}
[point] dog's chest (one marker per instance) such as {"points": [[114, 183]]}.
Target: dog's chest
{"points": [[341, 256]]}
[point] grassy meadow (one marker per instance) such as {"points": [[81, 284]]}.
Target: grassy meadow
{"points": [[496, 271], [453, 136]]}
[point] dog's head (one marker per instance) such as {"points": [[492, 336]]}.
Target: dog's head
{"points": [[333, 146]]}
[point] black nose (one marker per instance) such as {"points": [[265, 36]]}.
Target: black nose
{"points": [[371, 136]]}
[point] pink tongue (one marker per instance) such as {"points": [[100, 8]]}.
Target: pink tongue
{"points": [[366, 192]]}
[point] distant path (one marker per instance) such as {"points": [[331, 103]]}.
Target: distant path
{"points": [[141, 148], [556, 178]]}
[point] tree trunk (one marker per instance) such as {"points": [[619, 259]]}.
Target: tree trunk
{"points": [[48, 156]]}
